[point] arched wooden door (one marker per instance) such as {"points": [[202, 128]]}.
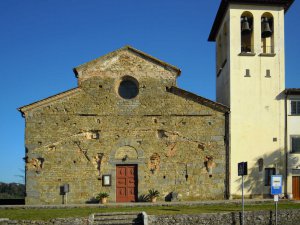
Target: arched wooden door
{"points": [[126, 183]]}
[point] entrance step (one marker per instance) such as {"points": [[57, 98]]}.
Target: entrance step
{"points": [[123, 218]]}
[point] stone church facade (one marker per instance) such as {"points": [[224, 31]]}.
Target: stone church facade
{"points": [[125, 129]]}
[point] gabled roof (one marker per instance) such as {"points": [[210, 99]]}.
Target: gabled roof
{"points": [[48, 100], [136, 52], [68, 93], [225, 3], [292, 91], [198, 99]]}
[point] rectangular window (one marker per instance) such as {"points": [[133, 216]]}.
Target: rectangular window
{"points": [[295, 107], [295, 144], [268, 173]]}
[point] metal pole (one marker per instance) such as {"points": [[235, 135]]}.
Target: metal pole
{"points": [[243, 200], [276, 207]]}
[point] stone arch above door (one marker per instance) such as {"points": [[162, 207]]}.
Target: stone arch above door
{"points": [[127, 151]]}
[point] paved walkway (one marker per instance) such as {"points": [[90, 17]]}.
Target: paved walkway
{"points": [[147, 204]]}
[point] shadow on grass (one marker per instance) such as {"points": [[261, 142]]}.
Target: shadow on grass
{"points": [[174, 210]]}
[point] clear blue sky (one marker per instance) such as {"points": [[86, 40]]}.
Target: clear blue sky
{"points": [[42, 40]]}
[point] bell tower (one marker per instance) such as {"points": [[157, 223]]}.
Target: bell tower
{"points": [[250, 79]]}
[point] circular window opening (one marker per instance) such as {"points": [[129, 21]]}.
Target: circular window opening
{"points": [[128, 88]]}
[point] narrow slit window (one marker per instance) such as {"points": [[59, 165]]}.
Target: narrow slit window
{"points": [[247, 73]]}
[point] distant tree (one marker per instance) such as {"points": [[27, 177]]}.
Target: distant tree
{"points": [[12, 190], [21, 176]]}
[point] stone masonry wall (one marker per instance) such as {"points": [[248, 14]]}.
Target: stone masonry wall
{"points": [[285, 217], [78, 138], [59, 221]]}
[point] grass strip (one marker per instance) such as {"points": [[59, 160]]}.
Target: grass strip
{"points": [[47, 214]]}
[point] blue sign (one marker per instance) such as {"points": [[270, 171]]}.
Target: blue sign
{"points": [[276, 184]]}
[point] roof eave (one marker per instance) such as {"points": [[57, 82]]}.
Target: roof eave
{"points": [[292, 91], [22, 113], [201, 100], [75, 72], [47, 100]]}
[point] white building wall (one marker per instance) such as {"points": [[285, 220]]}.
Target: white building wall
{"points": [[293, 129]]}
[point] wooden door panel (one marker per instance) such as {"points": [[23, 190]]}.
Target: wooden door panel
{"points": [[121, 171], [121, 182], [121, 191], [296, 187], [130, 191], [130, 172], [126, 183], [131, 194], [130, 182]]}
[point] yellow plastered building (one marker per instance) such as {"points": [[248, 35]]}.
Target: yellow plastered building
{"points": [[250, 71]]}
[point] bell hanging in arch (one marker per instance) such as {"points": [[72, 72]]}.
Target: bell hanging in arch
{"points": [[265, 28], [245, 26]]}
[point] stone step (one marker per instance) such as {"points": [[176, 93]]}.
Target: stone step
{"points": [[117, 213], [124, 218], [115, 217], [118, 222]]}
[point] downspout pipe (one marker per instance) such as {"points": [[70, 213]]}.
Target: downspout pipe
{"points": [[285, 142], [228, 155]]}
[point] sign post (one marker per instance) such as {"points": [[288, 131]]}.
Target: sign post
{"points": [[66, 188], [242, 171], [276, 190]]}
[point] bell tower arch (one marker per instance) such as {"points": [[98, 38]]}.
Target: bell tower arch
{"points": [[250, 79], [247, 42]]}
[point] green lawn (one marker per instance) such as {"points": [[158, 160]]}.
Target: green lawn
{"points": [[46, 214]]}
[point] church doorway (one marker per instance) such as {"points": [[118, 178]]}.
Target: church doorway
{"points": [[126, 183]]}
